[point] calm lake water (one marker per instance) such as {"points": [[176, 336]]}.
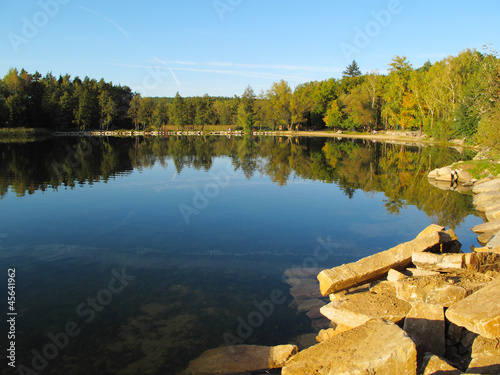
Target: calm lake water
{"points": [[133, 256]]}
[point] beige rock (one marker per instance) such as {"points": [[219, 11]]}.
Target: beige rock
{"points": [[479, 312], [325, 334], [482, 198], [394, 275], [384, 287], [377, 265], [433, 228], [464, 176], [488, 205], [416, 272], [483, 238], [441, 174], [438, 261], [491, 185], [356, 309], [482, 345], [425, 325], [494, 242], [430, 289], [241, 358], [434, 365], [376, 347], [484, 364], [493, 214], [487, 227], [482, 261]]}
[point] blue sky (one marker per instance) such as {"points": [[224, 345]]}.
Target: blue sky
{"points": [[221, 46]]}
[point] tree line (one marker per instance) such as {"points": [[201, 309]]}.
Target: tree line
{"points": [[455, 97]]}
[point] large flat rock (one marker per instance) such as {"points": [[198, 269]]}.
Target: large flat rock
{"points": [[375, 266], [426, 326], [493, 214], [480, 199], [376, 347], [241, 358], [356, 309], [491, 185], [479, 312], [487, 227], [444, 290]]}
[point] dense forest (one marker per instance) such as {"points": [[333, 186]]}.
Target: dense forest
{"points": [[457, 97]]}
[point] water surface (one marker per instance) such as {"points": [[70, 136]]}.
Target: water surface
{"points": [[151, 250]]}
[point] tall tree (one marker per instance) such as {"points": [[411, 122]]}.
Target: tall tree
{"points": [[352, 70]]}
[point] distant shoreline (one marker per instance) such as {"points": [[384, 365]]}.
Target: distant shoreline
{"points": [[20, 134]]}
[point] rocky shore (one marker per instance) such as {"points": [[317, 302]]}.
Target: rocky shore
{"points": [[422, 307]]}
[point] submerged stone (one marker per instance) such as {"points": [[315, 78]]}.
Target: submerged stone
{"points": [[241, 358]]}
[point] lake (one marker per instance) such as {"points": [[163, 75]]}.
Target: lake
{"points": [[135, 255]]}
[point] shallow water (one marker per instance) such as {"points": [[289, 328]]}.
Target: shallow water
{"points": [[133, 256]]}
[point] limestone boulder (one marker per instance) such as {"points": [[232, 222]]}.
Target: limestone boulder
{"points": [[493, 214], [464, 176], [485, 237], [438, 261], [394, 275], [441, 174], [489, 205], [356, 309], [483, 261], [434, 365], [375, 266], [491, 185], [241, 358], [484, 364], [479, 312], [487, 227], [482, 345], [430, 289], [494, 241], [425, 324], [376, 347]]}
